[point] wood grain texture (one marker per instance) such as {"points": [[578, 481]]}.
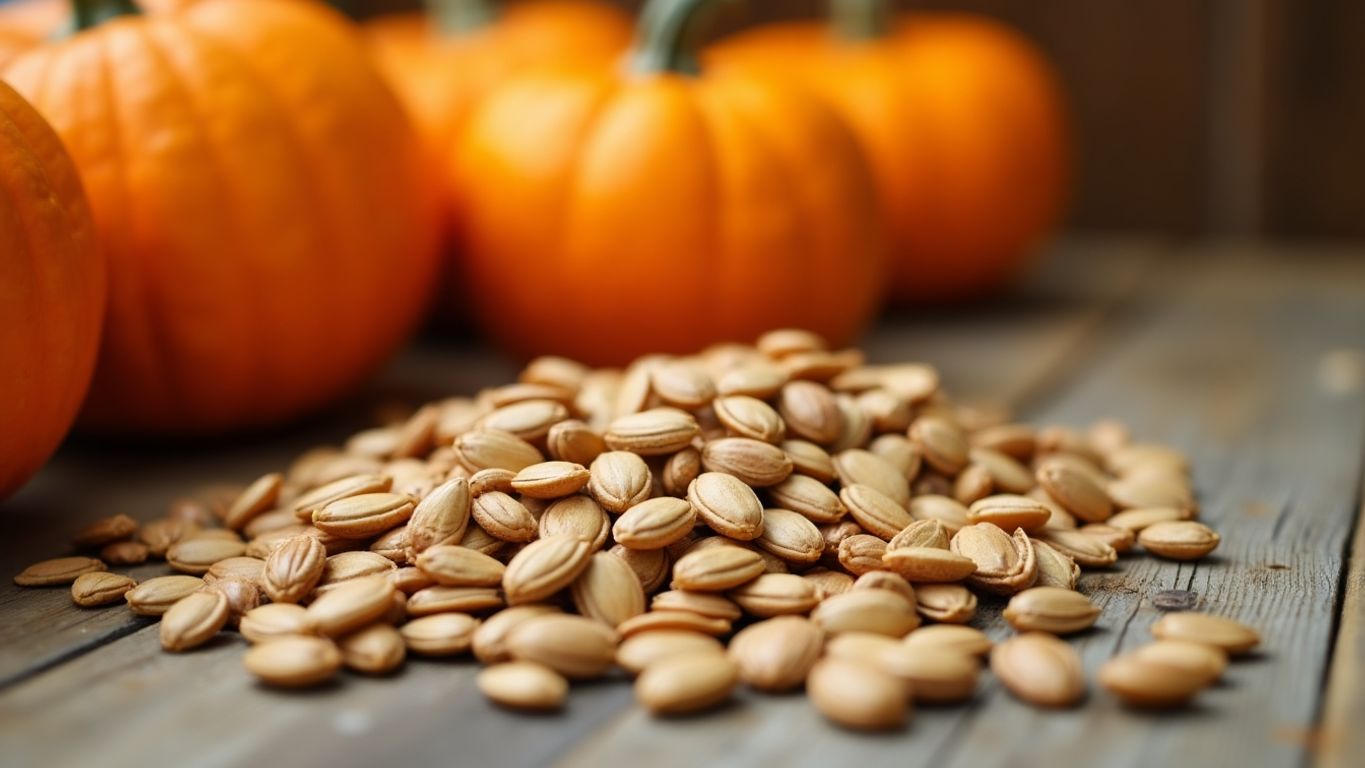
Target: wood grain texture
{"points": [[1340, 742], [1218, 352]]}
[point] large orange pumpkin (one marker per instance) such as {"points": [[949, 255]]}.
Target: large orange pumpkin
{"points": [[442, 62], [660, 210], [52, 291], [262, 201], [962, 119]]}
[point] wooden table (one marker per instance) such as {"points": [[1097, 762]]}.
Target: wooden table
{"points": [[1250, 359]]}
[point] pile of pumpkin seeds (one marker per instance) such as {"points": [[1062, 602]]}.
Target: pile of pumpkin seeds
{"points": [[778, 516]]}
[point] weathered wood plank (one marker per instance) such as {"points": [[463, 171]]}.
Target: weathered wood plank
{"points": [[1340, 742]]}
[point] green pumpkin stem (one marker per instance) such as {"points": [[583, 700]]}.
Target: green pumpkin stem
{"points": [[86, 14], [460, 17], [857, 20], [666, 37]]}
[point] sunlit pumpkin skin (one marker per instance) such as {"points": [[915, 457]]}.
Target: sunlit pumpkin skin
{"points": [[52, 291], [626, 212], [439, 75], [964, 124], [260, 196]]}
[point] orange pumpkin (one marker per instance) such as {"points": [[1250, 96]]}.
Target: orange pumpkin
{"points": [[622, 212], [962, 120], [441, 63], [52, 291], [261, 199]]}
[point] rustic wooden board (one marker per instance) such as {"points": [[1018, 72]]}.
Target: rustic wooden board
{"points": [[1220, 356]]}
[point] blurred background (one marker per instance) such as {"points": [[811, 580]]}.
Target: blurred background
{"points": [[1242, 118]]}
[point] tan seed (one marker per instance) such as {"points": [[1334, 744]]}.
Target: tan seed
{"points": [[529, 420], [756, 378], [652, 433], [544, 567], [375, 650], [159, 535], [686, 683], [156, 595], [857, 695], [921, 533], [655, 524], [441, 517], [504, 518], [619, 480], [495, 449], [640, 651], [124, 553], [1120, 539], [443, 599], [828, 583], [352, 605], [680, 470], [242, 597], [877, 513], [551, 479], [1053, 610], [860, 467], [1204, 662], [576, 647], [808, 497], [354, 485], [524, 685], [1075, 490], [440, 634], [608, 590], [1055, 568], [888, 581], [60, 570], [294, 569], [293, 661], [492, 479], [245, 568], [948, 603], [756, 463], [100, 588], [968, 641], [104, 531], [1009, 512], [776, 594], [727, 505], [1179, 539], [1147, 684], [702, 603], [1004, 564], [573, 440], [790, 536], [1017, 441], [776, 655], [456, 566], [933, 675], [368, 514], [276, 620], [1232, 637], [682, 384], [810, 412], [1086, 551], [1040, 669], [716, 569], [862, 553], [193, 620], [681, 620], [258, 497], [869, 610], [810, 460], [941, 442], [577, 515], [197, 554], [951, 512], [744, 416], [489, 639], [928, 564]]}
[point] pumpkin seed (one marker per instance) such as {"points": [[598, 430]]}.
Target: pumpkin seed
{"points": [[60, 570], [100, 588], [1040, 669], [293, 661], [857, 695], [686, 683], [524, 685]]}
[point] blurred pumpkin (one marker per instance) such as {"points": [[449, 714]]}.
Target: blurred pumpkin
{"points": [[963, 122], [260, 197], [656, 209], [441, 62], [52, 291]]}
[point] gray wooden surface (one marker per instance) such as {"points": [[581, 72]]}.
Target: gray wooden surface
{"points": [[1251, 362]]}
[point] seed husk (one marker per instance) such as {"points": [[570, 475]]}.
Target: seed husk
{"points": [[888, 581], [862, 553], [948, 603], [276, 620], [1055, 568], [105, 531], [716, 569], [948, 511], [669, 619], [440, 634], [810, 460], [246, 568], [755, 462], [874, 511], [928, 564], [745, 416], [485, 480], [442, 599], [877, 611], [524, 685], [1179, 539], [156, 595], [577, 515], [861, 467], [363, 515], [1004, 564], [256, 499], [608, 590], [293, 661], [193, 620], [810, 412], [776, 594], [727, 505], [576, 647], [353, 485], [921, 533], [441, 517], [489, 639], [1009, 512], [942, 443], [640, 651], [655, 524], [1137, 519], [97, 588], [529, 420], [857, 695], [1053, 610], [682, 383], [544, 567], [504, 518], [294, 569], [1040, 669], [619, 480], [1086, 551], [58, 570], [655, 432], [701, 603], [1232, 637], [790, 536], [375, 650], [456, 566], [808, 497], [828, 583], [686, 683], [1147, 684], [551, 479]]}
